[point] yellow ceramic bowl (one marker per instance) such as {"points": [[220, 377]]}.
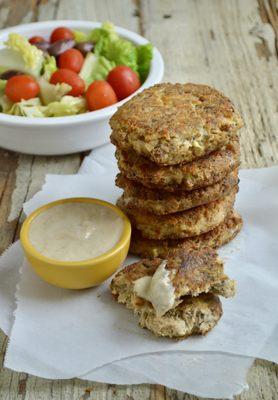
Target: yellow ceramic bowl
{"points": [[76, 274]]}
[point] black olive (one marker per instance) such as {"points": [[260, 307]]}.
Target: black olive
{"points": [[10, 73], [44, 46], [84, 47], [60, 47]]}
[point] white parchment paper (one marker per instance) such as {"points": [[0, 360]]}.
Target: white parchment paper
{"points": [[80, 334], [146, 368]]}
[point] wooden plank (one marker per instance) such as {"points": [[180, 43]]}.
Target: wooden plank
{"points": [[9, 163], [121, 12], [15, 12], [225, 44], [228, 44]]}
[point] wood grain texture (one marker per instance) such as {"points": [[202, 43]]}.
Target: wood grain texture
{"points": [[231, 44], [225, 44]]}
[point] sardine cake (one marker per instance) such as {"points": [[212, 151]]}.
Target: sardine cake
{"points": [[196, 279], [215, 238], [199, 173], [161, 202], [175, 123], [183, 224], [193, 316], [191, 272]]}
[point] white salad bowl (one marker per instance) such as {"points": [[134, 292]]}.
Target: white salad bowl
{"points": [[70, 134]]}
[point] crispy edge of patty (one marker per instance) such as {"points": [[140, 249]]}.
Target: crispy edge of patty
{"points": [[202, 172], [173, 123], [217, 237], [160, 202], [187, 223]]}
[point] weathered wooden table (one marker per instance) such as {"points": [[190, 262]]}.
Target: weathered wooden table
{"points": [[229, 44]]}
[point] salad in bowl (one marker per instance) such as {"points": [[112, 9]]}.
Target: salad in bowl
{"points": [[70, 72]]}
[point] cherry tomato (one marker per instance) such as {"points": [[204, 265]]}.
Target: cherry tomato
{"points": [[123, 80], [61, 33], [21, 87], [71, 78], [36, 39], [71, 59], [99, 95]]}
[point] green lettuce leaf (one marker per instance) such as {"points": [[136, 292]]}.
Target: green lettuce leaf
{"points": [[2, 69], [27, 108], [5, 104], [81, 36], [49, 66], [122, 52], [50, 93], [32, 56], [102, 37], [101, 46], [144, 58], [107, 30], [3, 83], [111, 46], [68, 105], [95, 68]]}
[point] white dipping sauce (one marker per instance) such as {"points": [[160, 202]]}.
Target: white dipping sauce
{"points": [[75, 231]]}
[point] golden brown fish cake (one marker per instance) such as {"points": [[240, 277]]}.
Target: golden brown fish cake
{"points": [[188, 223], [215, 238], [202, 172], [194, 316], [197, 277], [175, 123], [160, 202], [191, 272]]}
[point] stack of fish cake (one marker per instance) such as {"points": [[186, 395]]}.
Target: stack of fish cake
{"points": [[178, 155]]}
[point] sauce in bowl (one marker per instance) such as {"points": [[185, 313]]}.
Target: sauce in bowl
{"points": [[75, 231]]}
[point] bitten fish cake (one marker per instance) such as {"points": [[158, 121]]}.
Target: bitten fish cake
{"points": [[215, 238], [160, 202], [175, 123], [175, 297], [183, 224], [199, 173], [191, 272]]}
